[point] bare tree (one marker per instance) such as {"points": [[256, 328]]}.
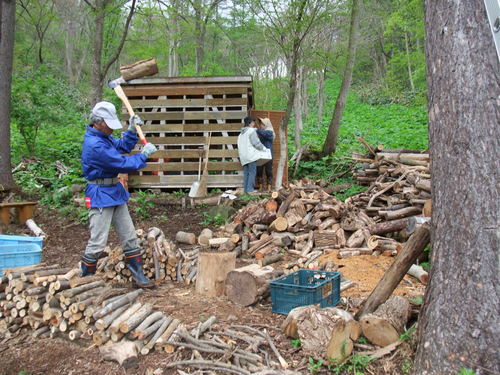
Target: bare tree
{"points": [[460, 322], [39, 15], [100, 68], [330, 144], [7, 24]]}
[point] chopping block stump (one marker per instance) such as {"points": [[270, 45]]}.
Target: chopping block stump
{"points": [[24, 211]]}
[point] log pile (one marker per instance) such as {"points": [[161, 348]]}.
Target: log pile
{"points": [[162, 258], [51, 301], [305, 221], [400, 184]]}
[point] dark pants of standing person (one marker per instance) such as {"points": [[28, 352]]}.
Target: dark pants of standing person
{"points": [[249, 171], [268, 168]]}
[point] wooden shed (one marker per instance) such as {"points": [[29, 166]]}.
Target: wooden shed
{"points": [[180, 115]]}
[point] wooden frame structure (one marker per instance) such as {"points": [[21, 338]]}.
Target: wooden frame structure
{"points": [[179, 114]]}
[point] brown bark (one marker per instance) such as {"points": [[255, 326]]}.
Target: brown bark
{"points": [[463, 290], [185, 238], [388, 226], [7, 26]]}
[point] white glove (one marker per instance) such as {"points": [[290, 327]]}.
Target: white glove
{"points": [[149, 149], [134, 120]]}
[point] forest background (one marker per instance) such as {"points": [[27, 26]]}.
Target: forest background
{"points": [[66, 51]]}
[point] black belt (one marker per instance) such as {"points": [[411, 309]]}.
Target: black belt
{"points": [[104, 181]]}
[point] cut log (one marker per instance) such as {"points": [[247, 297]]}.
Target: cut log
{"points": [[212, 271], [159, 332], [388, 226], [216, 242], [151, 319], [385, 325], [358, 238], [269, 259], [125, 353], [285, 204], [247, 285], [280, 224], [115, 326], [411, 250], [185, 237], [402, 213], [123, 300], [351, 252], [136, 318], [30, 223], [327, 333], [419, 273]]}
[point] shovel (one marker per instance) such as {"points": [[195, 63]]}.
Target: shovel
{"points": [[195, 187], [202, 187]]}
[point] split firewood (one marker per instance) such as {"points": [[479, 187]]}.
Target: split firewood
{"points": [[204, 236], [247, 285], [122, 300], [135, 318], [386, 324], [350, 252], [419, 273]]}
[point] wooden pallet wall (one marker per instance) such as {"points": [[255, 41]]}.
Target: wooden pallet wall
{"points": [[179, 114]]}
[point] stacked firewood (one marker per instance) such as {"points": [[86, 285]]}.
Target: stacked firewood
{"points": [[400, 183], [52, 300], [162, 259]]}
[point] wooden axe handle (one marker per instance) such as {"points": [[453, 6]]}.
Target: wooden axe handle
{"points": [[119, 92]]}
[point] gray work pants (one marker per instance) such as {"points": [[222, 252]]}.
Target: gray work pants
{"points": [[100, 220]]}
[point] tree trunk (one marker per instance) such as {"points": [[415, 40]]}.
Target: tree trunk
{"points": [[460, 321], [7, 25], [298, 107], [321, 93], [408, 63], [291, 97], [330, 144]]}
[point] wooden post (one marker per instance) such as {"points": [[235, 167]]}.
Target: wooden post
{"points": [[412, 249]]}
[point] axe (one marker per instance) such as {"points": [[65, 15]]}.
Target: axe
{"points": [[128, 72]]}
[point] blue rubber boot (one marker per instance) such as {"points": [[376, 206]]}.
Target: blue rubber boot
{"points": [[134, 264], [87, 266]]}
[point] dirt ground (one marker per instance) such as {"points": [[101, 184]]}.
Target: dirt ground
{"points": [[64, 245]]}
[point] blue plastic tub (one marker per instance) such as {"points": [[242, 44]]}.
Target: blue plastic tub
{"points": [[305, 287], [17, 255], [6, 239]]}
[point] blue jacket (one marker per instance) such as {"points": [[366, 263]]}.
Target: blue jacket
{"points": [[102, 158], [266, 137]]}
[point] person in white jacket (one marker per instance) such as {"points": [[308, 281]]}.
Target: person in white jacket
{"points": [[250, 149]]}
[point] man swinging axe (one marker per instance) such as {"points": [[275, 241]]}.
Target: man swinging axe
{"points": [[105, 196]]}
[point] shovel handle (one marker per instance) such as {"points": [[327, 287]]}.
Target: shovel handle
{"points": [[121, 94]]}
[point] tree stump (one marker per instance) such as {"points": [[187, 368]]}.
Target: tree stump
{"points": [[324, 333], [212, 271], [385, 325], [247, 285]]}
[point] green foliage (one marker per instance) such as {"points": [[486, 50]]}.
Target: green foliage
{"points": [[209, 219], [296, 343], [408, 335], [41, 100], [314, 366], [362, 340], [417, 300], [250, 197], [355, 365], [406, 366], [142, 203], [425, 265], [466, 371]]}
